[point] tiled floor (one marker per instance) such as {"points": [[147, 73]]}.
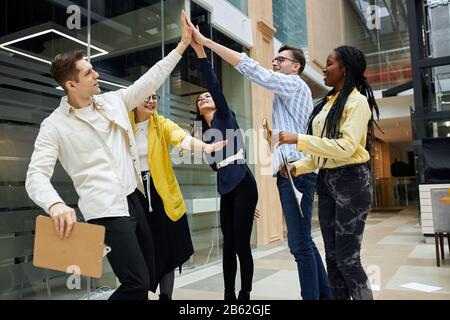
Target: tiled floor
{"points": [[398, 261]]}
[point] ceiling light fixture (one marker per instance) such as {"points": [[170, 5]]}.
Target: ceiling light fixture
{"points": [[104, 81], [5, 44], [113, 84]]}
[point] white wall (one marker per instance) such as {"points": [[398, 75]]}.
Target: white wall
{"points": [[229, 20], [395, 107]]}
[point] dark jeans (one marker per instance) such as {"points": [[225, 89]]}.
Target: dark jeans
{"points": [[237, 210], [132, 251], [313, 277], [345, 195]]}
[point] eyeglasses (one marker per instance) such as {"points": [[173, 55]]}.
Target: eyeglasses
{"points": [[153, 97], [280, 59]]}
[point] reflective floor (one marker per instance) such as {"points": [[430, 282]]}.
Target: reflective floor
{"points": [[399, 261]]}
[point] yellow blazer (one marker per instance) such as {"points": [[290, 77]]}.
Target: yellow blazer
{"points": [[161, 133]]}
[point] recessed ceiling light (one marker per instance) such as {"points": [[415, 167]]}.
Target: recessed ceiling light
{"points": [[172, 26], [152, 31]]}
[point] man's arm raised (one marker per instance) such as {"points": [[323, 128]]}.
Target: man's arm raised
{"points": [[155, 77]]}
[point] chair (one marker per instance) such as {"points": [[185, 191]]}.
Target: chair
{"points": [[441, 222], [16, 248]]}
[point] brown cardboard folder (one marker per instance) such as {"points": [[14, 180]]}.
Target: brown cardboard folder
{"points": [[81, 253]]}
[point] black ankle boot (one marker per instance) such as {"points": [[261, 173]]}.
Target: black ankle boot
{"points": [[230, 296], [243, 295]]}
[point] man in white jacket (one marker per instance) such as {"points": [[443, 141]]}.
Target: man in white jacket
{"points": [[91, 136]]}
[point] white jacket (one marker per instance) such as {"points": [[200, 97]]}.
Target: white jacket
{"points": [[84, 155]]}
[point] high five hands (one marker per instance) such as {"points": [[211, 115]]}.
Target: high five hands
{"points": [[198, 37], [186, 29]]}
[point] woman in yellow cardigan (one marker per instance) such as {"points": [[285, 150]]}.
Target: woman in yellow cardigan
{"points": [[167, 211]]}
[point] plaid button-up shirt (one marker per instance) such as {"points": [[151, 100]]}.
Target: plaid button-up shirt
{"points": [[291, 105]]}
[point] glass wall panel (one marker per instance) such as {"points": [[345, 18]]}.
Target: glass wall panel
{"points": [[385, 42], [437, 80], [438, 37], [438, 129], [439, 29], [289, 18], [31, 34], [240, 4]]}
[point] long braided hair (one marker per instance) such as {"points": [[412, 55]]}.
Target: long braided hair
{"points": [[355, 64]]}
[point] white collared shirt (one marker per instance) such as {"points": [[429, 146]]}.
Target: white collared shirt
{"points": [[141, 137], [291, 106], [91, 164], [115, 140]]}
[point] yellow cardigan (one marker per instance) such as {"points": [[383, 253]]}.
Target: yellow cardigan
{"points": [[349, 149], [161, 133]]}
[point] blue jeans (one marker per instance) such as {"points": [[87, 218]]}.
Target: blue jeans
{"points": [[313, 277]]}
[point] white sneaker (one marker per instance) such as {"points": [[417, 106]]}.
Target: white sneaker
{"points": [[99, 294]]}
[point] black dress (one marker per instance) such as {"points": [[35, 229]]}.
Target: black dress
{"points": [[172, 239]]}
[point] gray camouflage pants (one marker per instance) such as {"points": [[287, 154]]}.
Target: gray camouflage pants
{"points": [[345, 196]]}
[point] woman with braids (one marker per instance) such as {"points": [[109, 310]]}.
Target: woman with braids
{"points": [[340, 133]]}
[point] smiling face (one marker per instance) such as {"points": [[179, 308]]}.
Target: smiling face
{"points": [[334, 72], [205, 103], [148, 107]]}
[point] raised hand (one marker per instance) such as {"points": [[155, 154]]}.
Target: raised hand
{"points": [[186, 29], [197, 35], [196, 46]]}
